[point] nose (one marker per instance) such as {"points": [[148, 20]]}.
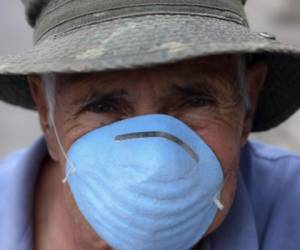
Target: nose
{"points": [[167, 136]]}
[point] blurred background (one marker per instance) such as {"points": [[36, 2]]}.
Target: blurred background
{"points": [[19, 127]]}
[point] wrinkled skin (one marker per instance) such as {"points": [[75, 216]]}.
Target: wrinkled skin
{"points": [[200, 92]]}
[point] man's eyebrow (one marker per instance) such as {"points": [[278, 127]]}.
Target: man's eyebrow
{"points": [[199, 88], [99, 95]]}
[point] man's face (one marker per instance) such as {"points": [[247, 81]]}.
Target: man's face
{"points": [[203, 93]]}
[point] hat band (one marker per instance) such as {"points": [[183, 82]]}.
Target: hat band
{"points": [[61, 16]]}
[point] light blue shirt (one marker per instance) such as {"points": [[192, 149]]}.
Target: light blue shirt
{"points": [[265, 214]]}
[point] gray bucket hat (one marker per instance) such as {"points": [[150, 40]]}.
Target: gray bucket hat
{"points": [[99, 35]]}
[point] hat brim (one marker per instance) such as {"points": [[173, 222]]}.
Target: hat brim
{"points": [[152, 40]]}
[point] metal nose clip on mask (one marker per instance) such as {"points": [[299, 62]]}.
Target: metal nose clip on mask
{"points": [[147, 182]]}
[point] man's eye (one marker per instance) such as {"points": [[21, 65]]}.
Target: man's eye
{"points": [[197, 101], [102, 107]]}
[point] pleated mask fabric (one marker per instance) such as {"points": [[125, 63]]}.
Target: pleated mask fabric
{"points": [[147, 182]]}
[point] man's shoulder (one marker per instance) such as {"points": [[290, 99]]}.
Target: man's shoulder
{"points": [[268, 160], [21, 164], [12, 158], [10, 166], [272, 177], [270, 152], [16, 159], [18, 172], [270, 165]]}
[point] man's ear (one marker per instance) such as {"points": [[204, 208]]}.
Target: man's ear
{"points": [[40, 100], [255, 77]]}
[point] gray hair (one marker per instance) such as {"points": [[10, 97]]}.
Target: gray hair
{"points": [[243, 86], [49, 81]]}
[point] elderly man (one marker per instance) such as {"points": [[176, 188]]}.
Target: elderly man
{"points": [[146, 107]]}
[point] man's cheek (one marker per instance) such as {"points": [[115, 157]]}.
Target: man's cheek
{"points": [[224, 144]]}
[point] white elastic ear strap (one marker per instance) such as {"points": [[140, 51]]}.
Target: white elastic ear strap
{"points": [[217, 201], [217, 196], [71, 169], [49, 84]]}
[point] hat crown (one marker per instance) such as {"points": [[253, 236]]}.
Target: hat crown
{"points": [[35, 8], [53, 17]]}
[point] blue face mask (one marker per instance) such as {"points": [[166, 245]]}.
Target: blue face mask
{"points": [[148, 182]]}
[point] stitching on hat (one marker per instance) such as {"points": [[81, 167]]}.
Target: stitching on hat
{"points": [[130, 16], [106, 8], [147, 4], [51, 9], [239, 20]]}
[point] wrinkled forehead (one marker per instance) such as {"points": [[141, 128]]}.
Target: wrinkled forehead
{"points": [[221, 67]]}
